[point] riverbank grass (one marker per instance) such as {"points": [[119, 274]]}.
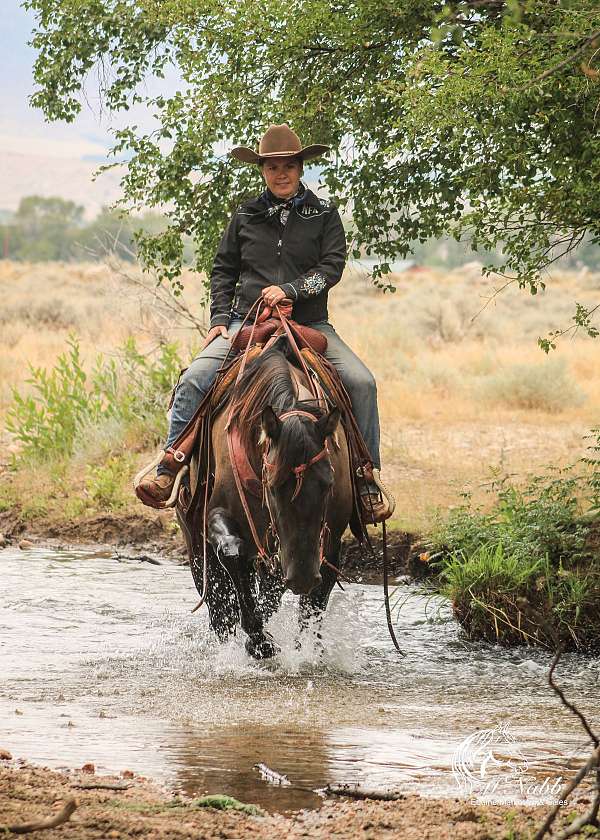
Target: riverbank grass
{"points": [[526, 571]]}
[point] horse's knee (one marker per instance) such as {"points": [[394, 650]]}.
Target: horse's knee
{"points": [[223, 536]]}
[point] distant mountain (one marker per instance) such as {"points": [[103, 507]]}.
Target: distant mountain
{"points": [[26, 174]]}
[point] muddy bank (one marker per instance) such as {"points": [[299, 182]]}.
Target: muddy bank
{"points": [[139, 808], [156, 533]]}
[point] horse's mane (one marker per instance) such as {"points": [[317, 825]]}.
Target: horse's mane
{"points": [[267, 381]]}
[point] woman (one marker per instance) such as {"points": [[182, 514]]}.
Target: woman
{"points": [[285, 244]]}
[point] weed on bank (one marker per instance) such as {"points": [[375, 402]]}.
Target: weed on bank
{"points": [[527, 570]]}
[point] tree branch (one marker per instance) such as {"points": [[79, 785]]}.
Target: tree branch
{"points": [[551, 70], [38, 825]]}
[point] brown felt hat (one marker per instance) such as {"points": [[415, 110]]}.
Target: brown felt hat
{"points": [[278, 141]]}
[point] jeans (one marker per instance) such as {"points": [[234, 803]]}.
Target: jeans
{"points": [[357, 378]]}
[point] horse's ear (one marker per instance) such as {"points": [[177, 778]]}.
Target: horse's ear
{"points": [[270, 424], [327, 424]]}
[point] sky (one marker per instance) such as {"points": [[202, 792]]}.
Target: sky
{"points": [[77, 147], [23, 129]]}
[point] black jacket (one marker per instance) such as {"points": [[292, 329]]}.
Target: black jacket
{"points": [[306, 257]]}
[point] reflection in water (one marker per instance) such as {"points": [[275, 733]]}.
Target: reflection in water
{"points": [[106, 664]]}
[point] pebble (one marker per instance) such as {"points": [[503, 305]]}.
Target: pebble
{"points": [[5, 755], [88, 768], [3, 541], [127, 774], [25, 544]]}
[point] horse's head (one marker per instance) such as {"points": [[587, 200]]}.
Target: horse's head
{"points": [[298, 481]]}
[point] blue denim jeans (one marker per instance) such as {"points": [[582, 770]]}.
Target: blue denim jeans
{"points": [[357, 378]]}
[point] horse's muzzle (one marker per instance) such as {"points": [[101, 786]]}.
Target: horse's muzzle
{"points": [[302, 585]]}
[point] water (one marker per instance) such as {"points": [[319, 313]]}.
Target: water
{"points": [[101, 661]]}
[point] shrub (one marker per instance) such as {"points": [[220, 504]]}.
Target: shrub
{"points": [[64, 399], [67, 402], [545, 387], [104, 483], [535, 544]]}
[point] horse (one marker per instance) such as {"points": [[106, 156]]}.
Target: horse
{"points": [[289, 535]]}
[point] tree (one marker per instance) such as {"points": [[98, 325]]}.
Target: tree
{"points": [[41, 228], [473, 118]]}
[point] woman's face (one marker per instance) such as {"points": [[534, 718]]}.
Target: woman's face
{"points": [[282, 175]]}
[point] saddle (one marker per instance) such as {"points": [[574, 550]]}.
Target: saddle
{"points": [[272, 328], [308, 346]]}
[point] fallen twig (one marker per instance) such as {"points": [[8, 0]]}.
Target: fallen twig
{"points": [[39, 825], [593, 763], [272, 776], [101, 785], [362, 793]]}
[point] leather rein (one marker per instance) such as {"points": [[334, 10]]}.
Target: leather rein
{"points": [[299, 471]]}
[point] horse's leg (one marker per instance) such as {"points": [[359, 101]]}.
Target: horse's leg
{"points": [[222, 602], [232, 553], [270, 591], [313, 606]]}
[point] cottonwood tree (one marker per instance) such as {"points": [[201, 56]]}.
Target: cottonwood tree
{"points": [[474, 119]]}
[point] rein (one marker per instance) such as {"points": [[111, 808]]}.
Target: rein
{"points": [[300, 470]]}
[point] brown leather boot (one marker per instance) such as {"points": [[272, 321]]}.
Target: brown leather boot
{"points": [[155, 491], [373, 507]]}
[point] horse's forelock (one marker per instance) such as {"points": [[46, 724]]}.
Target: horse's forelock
{"points": [[267, 382]]}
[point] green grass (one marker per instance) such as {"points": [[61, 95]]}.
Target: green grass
{"points": [[528, 571], [80, 430]]}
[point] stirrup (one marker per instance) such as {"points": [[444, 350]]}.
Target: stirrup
{"points": [[386, 494], [172, 500]]}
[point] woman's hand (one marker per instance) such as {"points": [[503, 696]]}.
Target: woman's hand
{"points": [[273, 295], [220, 329]]}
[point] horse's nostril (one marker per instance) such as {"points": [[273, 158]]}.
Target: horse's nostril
{"points": [[302, 586]]}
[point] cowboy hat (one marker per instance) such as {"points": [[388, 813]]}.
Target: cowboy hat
{"points": [[278, 141]]}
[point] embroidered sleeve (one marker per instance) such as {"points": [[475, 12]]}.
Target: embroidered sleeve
{"points": [[328, 270], [312, 283]]}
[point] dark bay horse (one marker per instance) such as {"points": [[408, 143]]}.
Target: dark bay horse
{"points": [[300, 452]]}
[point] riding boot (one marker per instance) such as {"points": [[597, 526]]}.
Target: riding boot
{"points": [[156, 490]]}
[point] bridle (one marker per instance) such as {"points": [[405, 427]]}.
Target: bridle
{"points": [[299, 472], [301, 468]]}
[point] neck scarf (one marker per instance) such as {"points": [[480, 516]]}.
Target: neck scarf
{"points": [[283, 206]]}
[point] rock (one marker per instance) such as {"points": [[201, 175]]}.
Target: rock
{"points": [[18, 712], [3, 541], [88, 768], [127, 774], [5, 755], [25, 544]]}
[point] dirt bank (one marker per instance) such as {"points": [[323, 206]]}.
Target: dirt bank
{"points": [[143, 810], [156, 533]]}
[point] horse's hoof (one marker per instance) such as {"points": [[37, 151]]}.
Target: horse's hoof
{"points": [[261, 646]]}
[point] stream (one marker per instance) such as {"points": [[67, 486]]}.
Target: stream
{"points": [[101, 661]]}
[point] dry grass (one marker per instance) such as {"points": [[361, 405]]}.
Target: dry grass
{"points": [[459, 399]]}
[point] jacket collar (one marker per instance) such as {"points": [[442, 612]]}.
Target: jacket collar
{"points": [[261, 205]]}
